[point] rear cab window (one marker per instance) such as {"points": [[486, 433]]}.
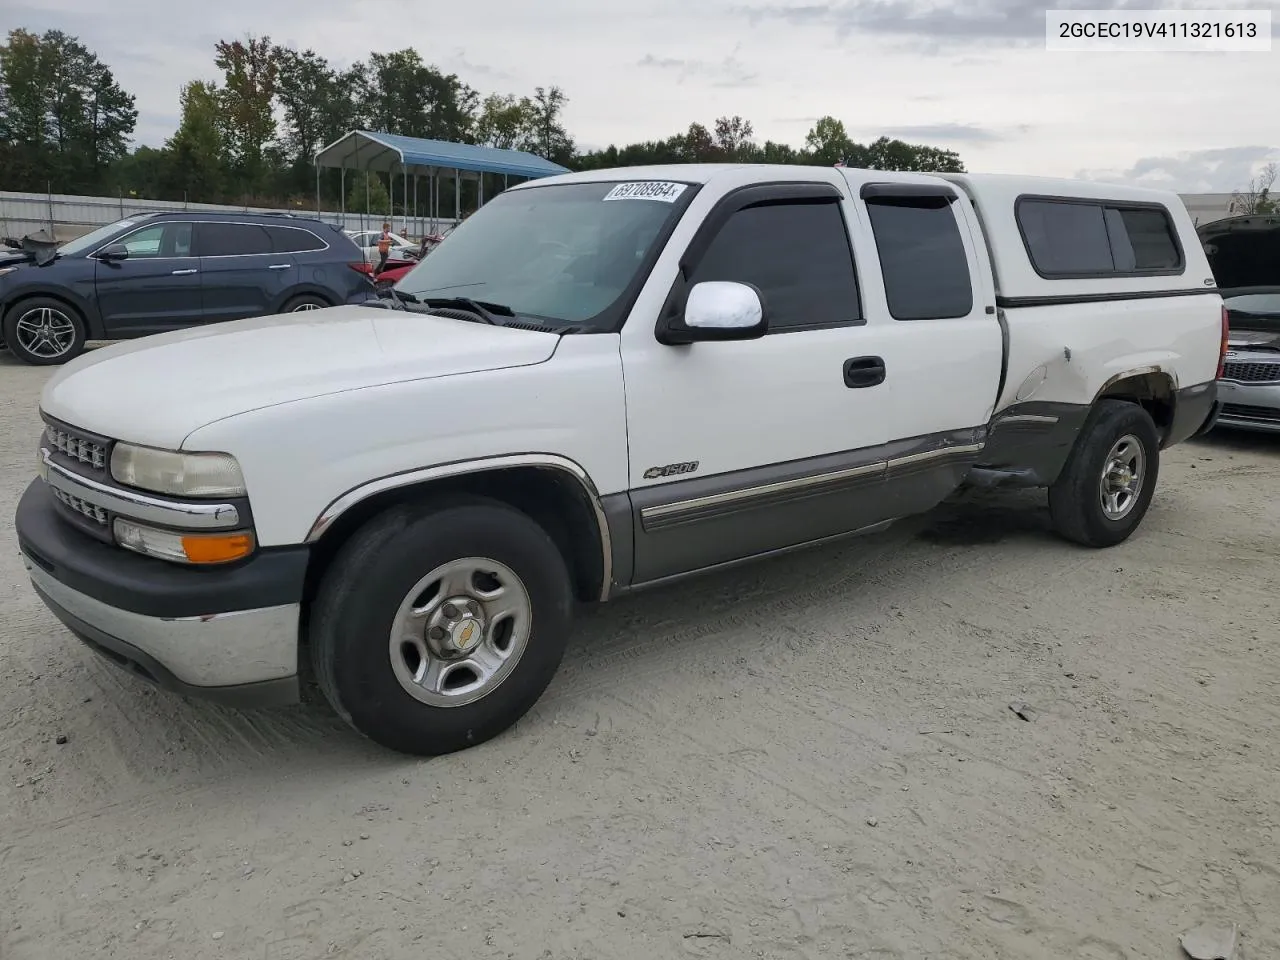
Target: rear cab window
{"points": [[922, 257], [1083, 238]]}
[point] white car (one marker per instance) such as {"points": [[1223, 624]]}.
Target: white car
{"points": [[367, 240], [691, 367]]}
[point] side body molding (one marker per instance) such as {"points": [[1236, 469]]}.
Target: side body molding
{"points": [[546, 461]]}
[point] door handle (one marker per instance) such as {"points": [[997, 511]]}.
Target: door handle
{"points": [[863, 372], [184, 273], [280, 266]]}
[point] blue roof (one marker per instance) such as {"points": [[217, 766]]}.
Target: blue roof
{"points": [[364, 150]]}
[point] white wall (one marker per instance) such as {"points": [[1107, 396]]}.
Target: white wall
{"points": [[1207, 207], [72, 216]]}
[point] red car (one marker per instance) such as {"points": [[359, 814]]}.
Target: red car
{"points": [[396, 269]]}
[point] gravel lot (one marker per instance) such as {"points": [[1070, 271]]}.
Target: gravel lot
{"points": [[813, 757]]}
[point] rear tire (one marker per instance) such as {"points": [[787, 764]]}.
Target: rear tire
{"points": [[426, 601], [305, 302], [1106, 487], [43, 332]]}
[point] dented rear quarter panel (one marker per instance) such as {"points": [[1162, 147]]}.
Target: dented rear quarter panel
{"points": [[1068, 352]]}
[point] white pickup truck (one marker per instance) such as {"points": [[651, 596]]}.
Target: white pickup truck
{"points": [[604, 381]]}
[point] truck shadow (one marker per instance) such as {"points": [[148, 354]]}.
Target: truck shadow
{"points": [[976, 518]]}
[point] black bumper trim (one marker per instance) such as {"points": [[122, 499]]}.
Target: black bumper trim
{"points": [[144, 585], [1029, 444], [267, 693], [1210, 422], [1194, 411]]}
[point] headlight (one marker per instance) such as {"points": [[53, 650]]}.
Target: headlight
{"points": [[180, 474], [202, 548]]}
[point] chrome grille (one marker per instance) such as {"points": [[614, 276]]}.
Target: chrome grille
{"points": [[77, 448], [1266, 371], [81, 507]]}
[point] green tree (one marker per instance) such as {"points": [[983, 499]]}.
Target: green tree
{"points": [[317, 101], [550, 139], [146, 172], [247, 99], [733, 139], [506, 122], [828, 142], [400, 93], [65, 117], [198, 153], [318, 106], [698, 145], [25, 82], [376, 201], [27, 76], [772, 152], [111, 117], [886, 154]]}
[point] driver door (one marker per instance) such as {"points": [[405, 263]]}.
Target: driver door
{"points": [[744, 448], [156, 288]]}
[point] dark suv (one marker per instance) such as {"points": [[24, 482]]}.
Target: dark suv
{"points": [[168, 271]]}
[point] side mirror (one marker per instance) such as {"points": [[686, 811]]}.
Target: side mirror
{"points": [[113, 252], [719, 310]]}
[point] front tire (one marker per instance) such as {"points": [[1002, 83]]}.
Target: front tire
{"points": [[43, 332], [438, 626], [1107, 485]]}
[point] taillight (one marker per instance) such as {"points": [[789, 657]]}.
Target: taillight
{"points": [[1222, 352]]}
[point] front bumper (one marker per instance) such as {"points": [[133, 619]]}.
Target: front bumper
{"points": [[228, 634], [1250, 406]]}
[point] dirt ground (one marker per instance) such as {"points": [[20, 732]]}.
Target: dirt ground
{"points": [[813, 757]]}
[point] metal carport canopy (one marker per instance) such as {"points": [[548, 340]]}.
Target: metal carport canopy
{"points": [[389, 152]]}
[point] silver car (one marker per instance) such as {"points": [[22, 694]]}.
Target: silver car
{"points": [[1250, 386], [1244, 253]]}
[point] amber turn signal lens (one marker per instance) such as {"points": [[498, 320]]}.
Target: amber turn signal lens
{"points": [[217, 548]]}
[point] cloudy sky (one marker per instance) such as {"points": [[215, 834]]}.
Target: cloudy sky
{"points": [[972, 76]]}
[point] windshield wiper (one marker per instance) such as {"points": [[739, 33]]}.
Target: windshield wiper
{"points": [[491, 313], [488, 312]]}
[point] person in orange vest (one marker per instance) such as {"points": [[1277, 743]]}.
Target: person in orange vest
{"points": [[384, 249]]}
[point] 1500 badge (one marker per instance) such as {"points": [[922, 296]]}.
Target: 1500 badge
{"points": [[671, 470]]}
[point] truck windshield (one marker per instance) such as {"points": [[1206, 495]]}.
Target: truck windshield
{"points": [[565, 253]]}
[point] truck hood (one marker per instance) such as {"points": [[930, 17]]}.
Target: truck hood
{"points": [[158, 389]]}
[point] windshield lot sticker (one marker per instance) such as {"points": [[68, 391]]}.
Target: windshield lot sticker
{"points": [[658, 190]]}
